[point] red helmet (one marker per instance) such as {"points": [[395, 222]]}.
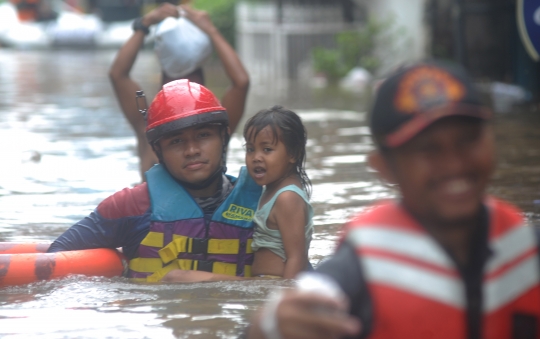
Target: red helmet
{"points": [[181, 104]]}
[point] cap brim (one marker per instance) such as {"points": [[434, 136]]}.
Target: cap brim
{"points": [[422, 120]]}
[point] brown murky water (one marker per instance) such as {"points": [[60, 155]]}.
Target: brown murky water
{"points": [[66, 147]]}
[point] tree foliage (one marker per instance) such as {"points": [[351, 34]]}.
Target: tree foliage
{"points": [[353, 49], [222, 13]]}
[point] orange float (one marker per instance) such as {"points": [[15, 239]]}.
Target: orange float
{"points": [[23, 263]]}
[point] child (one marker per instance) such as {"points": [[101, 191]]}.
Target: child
{"points": [[275, 156]]}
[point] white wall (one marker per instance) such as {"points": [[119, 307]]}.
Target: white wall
{"points": [[413, 39]]}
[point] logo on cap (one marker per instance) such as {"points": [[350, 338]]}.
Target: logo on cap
{"points": [[427, 87]]}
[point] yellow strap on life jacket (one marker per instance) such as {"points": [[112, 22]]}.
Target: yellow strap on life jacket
{"points": [[153, 239], [159, 274], [145, 264], [187, 265], [248, 246], [247, 271], [183, 244]]}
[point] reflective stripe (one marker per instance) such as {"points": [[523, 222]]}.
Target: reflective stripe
{"points": [[398, 241], [183, 244], [510, 285], [153, 239], [145, 264], [413, 279], [510, 246], [499, 290]]}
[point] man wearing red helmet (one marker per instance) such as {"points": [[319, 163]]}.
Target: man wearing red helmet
{"points": [[444, 260], [189, 215]]}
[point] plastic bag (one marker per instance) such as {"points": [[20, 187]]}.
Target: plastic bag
{"points": [[181, 46]]}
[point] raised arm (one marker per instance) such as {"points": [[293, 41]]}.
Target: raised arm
{"points": [[234, 99], [125, 87]]}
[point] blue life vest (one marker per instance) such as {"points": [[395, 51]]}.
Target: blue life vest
{"points": [[181, 237]]}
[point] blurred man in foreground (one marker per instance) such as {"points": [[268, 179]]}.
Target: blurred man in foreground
{"points": [[444, 260]]}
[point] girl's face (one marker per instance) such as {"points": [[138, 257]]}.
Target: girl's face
{"points": [[267, 158]]}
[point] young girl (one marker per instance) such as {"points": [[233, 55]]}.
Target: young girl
{"points": [[275, 157]]}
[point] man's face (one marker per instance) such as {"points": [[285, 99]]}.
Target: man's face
{"points": [[443, 172], [193, 154]]}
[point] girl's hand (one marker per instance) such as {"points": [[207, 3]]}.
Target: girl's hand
{"points": [[185, 276], [200, 18], [157, 15], [195, 276]]}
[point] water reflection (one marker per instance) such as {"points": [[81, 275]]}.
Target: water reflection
{"points": [[97, 307], [66, 147]]}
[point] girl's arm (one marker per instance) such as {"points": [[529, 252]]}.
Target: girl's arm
{"points": [[290, 214], [196, 276], [234, 99]]}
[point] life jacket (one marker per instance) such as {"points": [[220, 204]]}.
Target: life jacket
{"points": [[182, 237], [416, 288]]}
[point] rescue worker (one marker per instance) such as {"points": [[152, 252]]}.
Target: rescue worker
{"points": [[444, 259], [189, 215], [233, 100]]}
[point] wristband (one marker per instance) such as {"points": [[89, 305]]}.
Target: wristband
{"points": [[139, 26], [268, 321]]}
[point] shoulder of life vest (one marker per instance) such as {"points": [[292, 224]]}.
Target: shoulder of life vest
{"points": [[405, 266], [238, 209]]}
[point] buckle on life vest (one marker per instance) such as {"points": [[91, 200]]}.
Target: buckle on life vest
{"points": [[199, 245], [183, 244]]}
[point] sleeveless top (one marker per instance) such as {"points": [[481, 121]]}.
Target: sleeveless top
{"points": [[265, 237]]}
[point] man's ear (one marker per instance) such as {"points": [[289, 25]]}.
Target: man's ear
{"points": [[225, 135], [380, 164]]}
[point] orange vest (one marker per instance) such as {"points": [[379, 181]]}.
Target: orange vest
{"points": [[417, 290]]}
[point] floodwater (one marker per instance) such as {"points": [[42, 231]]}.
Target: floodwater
{"points": [[66, 147]]}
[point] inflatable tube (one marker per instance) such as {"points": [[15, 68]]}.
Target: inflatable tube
{"points": [[16, 248], [26, 263]]}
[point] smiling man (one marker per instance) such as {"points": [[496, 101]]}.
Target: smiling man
{"points": [[444, 260], [184, 217]]}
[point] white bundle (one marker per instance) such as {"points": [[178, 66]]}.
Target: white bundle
{"points": [[181, 46]]}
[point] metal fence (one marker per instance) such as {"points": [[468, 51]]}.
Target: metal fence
{"points": [[275, 38]]}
